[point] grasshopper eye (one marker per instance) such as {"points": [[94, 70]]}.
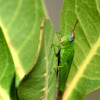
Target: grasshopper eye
{"points": [[72, 38]]}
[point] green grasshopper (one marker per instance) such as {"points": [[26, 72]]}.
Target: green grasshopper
{"points": [[66, 56]]}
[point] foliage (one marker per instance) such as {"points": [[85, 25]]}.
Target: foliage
{"points": [[27, 55]]}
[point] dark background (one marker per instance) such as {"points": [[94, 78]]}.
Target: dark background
{"points": [[54, 9]]}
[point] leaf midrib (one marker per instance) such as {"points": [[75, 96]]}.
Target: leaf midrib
{"points": [[3, 94], [46, 74], [19, 69]]}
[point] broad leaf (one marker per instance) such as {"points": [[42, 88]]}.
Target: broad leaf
{"points": [[84, 75], [7, 71], [40, 82], [20, 20]]}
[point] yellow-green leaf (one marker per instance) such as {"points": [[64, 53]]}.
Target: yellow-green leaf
{"points": [[40, 82], [84, 75], [20, 21]]}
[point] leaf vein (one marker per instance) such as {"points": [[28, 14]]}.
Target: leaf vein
{"points": [[82, 25], [15, 15], [91, 78], [46, 77], [97, 7]]}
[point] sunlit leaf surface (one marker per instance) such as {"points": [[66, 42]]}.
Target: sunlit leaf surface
{"points": [[20, 21], [84, 75]]}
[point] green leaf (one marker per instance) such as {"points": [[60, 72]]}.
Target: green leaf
{"points": [[84, 75], [40, 82], [7, 71], [20, 21]]}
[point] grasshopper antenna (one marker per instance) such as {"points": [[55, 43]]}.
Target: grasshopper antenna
{"points": [[74, 27]]}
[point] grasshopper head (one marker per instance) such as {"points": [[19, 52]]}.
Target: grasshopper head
{"points": [[67, 38], [70, 36]]}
